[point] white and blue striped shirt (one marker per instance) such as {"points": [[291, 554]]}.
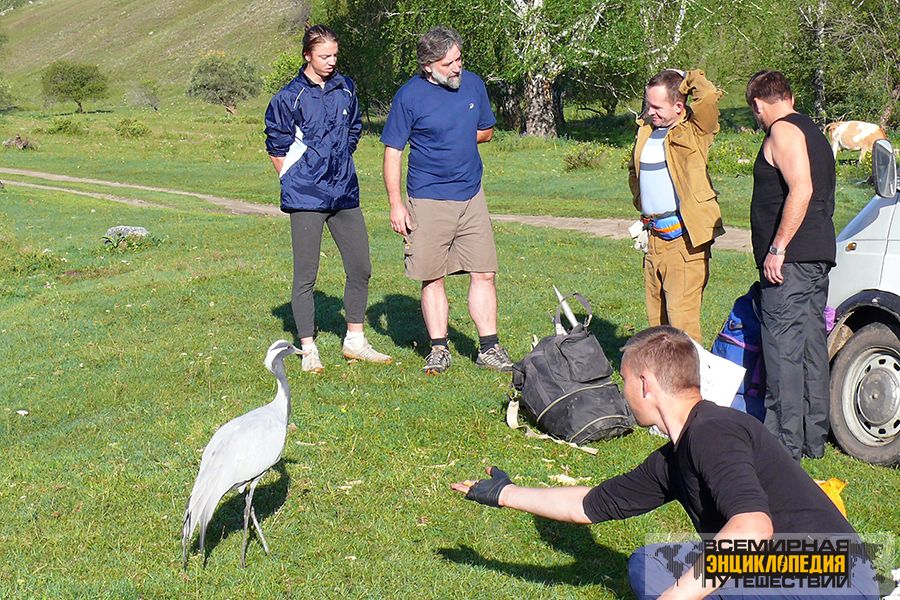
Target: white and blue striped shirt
{"points": [[658, 193]]}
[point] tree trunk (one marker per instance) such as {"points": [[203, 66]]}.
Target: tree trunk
{"points": [[509, 105], [80, 108], [888, 111], [819, 76], [559, 118], [539, 119]]}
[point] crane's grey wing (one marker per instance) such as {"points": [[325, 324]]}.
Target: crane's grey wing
{"points": [[239, 451]]}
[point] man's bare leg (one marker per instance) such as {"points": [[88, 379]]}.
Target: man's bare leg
{"points": [[483, 302], [435, 308], [483, 308]]}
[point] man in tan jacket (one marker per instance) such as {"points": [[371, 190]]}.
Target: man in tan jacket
{"points": [[671, 187]]}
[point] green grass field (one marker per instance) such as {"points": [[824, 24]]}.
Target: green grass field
{"points": [[128, 361], [198, 147]]}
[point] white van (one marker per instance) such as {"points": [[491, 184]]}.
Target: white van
{"points": [[864, 346]]}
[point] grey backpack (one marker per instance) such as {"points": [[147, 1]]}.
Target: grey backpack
{"points": [[566, 389]]}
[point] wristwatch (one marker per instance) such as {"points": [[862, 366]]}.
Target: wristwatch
{"points": [[776, 250]]}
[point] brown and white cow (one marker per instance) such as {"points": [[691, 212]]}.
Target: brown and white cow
{"points": [[854, 135]]}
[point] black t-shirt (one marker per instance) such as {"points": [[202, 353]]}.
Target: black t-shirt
{"points": [[814, 239], [725, 463]]}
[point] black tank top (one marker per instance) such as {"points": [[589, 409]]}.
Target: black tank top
{"points": [[814, 240]]}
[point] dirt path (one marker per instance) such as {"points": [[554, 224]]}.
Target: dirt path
{"points": [[98, 195], [734, 239], [238, 207]]}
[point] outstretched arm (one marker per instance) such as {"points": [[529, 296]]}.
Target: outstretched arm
{"points": [[560, 504]]}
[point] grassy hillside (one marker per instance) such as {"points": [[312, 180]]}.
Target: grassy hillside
{"points": [[133, 40]]}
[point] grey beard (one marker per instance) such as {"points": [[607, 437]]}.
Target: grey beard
{"points": [[447, 82]]}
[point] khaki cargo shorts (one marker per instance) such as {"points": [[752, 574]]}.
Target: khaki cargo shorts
{"points": [[448, 237]]}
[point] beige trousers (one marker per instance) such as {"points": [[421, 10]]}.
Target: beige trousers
{"points": [[675, 275]]}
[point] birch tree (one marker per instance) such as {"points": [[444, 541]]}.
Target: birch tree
{"points": [[520, 47], [546, 39], [863, 73], [812, 17]]}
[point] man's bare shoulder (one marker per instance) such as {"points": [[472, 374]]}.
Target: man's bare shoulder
{"points": [[784, 129]]}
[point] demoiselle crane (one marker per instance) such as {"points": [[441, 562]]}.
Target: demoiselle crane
{"points": [[238, 455]]}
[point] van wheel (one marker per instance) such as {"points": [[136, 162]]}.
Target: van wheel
{"points": [[865, 395]]}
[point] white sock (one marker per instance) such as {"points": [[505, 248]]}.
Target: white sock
{"points": [[354, 339], [308, 347]]}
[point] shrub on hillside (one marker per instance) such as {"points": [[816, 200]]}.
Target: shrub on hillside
{"points": [[68, 80], [7, 100], [144, 94], [65, 126], [283, 70], [132, 128], [219, 80]]}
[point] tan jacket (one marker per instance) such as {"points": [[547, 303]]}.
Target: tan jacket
{"points": [[687, 148]]}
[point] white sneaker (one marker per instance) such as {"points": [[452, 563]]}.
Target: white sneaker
{"points": [[310, 361], [365, 352]]}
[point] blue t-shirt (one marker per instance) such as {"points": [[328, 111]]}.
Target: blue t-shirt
{"points": [[441, 126]]}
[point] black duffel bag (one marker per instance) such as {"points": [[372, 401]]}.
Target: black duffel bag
{"points": [[565, 387]]}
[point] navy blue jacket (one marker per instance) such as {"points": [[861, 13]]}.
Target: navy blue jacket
{"points": [[316, 129]]}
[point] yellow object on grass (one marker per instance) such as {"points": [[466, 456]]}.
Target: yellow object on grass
{"points": [[832, 488]]}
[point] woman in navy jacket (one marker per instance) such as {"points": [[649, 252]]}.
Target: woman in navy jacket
{"points": [[312, 127]]}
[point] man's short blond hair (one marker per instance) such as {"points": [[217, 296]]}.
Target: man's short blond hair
{"points": [[669, 354]]}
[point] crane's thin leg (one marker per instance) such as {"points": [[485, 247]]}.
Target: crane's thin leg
{"points": [[247, 507], [262, 538]]}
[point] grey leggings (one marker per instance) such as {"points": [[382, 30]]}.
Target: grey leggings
{"points": [[348, 229]]}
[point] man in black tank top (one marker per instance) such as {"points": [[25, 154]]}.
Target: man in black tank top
{"points": [[794, 246]]}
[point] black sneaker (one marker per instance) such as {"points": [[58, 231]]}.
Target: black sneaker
{"points": [[495, 358], [437, 361]]}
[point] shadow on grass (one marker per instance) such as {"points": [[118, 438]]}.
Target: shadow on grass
{"points": [[397, 316], [75, 113], [229, 516], [400, 318], [329, 315], [615, 130], [605, 331], [612, 343], [594, 564]]}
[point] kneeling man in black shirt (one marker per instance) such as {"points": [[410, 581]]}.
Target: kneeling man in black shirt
{"points": [[733, 478]]}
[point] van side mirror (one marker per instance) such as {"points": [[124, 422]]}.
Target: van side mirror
{"points": [[884, 169]]}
